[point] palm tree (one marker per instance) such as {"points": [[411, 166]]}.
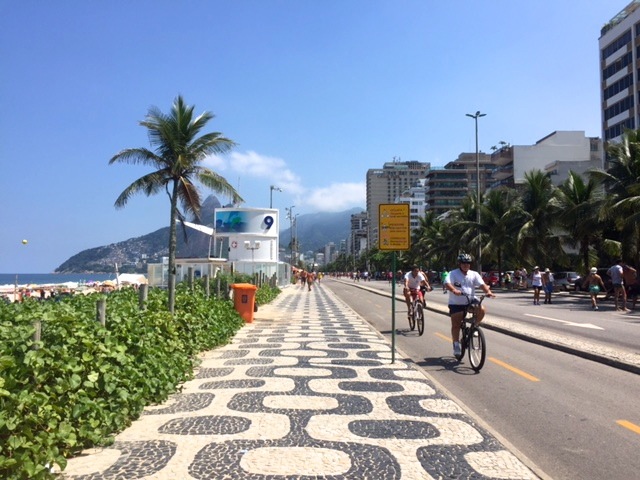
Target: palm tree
{"points": [[580, 203], [498, 225], [176, 160], [538, 241], [622, 181]]}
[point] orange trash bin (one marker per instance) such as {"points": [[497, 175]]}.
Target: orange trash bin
{"points": [[244, 297]]}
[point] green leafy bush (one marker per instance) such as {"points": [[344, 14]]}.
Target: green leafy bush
{"points": [[84, 382]]}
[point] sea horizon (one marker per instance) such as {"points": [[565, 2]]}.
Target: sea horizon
{"points": [[53, 278]]}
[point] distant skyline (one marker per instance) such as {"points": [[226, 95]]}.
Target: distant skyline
{"points": [[314, 92]]}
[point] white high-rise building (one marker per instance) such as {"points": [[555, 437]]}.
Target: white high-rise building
{"points": [[619, 60], [386, 184]]}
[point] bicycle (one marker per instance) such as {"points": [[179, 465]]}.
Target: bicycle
{"points": [[416, 311], [472, 335]]}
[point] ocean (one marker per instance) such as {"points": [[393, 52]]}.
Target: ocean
{"points": [[53, 278]]}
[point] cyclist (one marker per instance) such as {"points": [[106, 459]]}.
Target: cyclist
{"points": [[460, 282], [414, 280]]}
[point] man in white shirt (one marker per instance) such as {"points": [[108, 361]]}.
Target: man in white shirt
{"points": [[413, 280], [461, 282]]}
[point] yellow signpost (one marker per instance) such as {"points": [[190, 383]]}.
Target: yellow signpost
{"points": [[394, 233]]}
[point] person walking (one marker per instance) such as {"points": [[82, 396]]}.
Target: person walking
{"points": [[536, 283], [547, 282], [594, 284], [443, 277], [619, 293], [461, 282], [631, 284]]}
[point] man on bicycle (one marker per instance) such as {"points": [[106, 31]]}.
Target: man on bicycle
{"points": [[461, 282], [413, 280]]}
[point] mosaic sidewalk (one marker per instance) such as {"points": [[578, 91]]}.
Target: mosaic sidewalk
{"points": [[305, 392]]}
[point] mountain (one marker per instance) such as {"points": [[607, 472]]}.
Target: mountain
{"points": [[314, 231]]}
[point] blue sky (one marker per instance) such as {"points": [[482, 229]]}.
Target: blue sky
{"points": [[314, 92]]}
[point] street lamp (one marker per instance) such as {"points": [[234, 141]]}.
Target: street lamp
{"points": [[271, 189], [475, 118], [290, 217]]}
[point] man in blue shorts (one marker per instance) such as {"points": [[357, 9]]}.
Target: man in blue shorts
{"points": [[461, 282]]}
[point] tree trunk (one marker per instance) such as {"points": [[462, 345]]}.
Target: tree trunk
{"points": [[172, 247]]}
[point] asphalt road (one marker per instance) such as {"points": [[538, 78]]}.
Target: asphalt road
{"points": [[572, 418]]}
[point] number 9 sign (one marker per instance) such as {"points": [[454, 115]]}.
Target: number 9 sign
{"points": [[268, 221]]}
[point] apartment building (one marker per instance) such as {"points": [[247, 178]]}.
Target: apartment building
{"points": [[386, 184], [556, 154], [619, 77], [446, 187]]}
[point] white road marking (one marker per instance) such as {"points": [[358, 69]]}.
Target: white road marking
{"points": [[570, 324]]}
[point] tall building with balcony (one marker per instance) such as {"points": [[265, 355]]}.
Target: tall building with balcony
{"points": [[619, 62], [358, 234], [386, 184], [448, 186], [415, 198]]}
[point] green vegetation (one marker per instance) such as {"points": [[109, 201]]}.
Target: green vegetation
{"points": [[82, 383]]}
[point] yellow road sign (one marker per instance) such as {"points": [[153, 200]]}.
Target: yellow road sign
{"points": [[394, 232]]}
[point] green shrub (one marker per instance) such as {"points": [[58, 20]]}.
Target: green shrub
{"points": [[86, 382]]}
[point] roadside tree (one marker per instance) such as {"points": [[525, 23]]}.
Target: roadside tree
{"points": [[177, 157]]}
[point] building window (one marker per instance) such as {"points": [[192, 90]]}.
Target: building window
{"points": [[616, 45], [619, 107], [619, 86]]}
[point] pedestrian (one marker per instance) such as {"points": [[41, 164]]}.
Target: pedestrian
{"points": [[594, 284], [631, 283], [517, 276], [617, 280], [507, 280], [547, 280], [443, 277], [310, 278], [536, 283]]}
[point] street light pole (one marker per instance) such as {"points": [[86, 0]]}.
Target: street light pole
{"points": [[475, 118], [271, 189], [290, 215]]}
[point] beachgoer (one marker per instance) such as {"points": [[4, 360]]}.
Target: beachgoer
{"points": [[632, 284], [615, 272], [443, 277], [594, 283], [547, 280], [507, 280], [460, 282], [536, 283]]}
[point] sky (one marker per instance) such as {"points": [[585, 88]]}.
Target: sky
{"points": [[313, 92]]}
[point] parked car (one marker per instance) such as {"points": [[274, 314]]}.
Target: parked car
{"points": [[566, 280], [606, 279], [491, 278]]}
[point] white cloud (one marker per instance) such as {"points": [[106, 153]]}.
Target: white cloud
{"points": [[334, 198], [253, 164]]}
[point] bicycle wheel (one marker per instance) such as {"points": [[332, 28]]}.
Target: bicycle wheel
{"points": [[419, 315], [412, 318], [477, 348]]}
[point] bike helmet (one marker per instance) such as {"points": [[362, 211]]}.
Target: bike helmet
{"points": [[464, 258]]}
